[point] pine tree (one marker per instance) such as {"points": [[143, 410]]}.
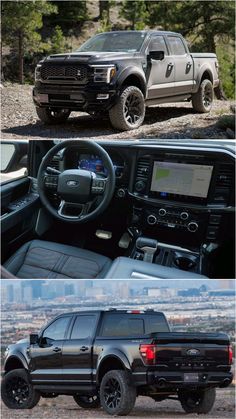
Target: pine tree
{"points": [[135, 11], [21, 21]]}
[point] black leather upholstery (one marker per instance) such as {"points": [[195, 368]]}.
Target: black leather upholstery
{"points": [[125, 268], [42, 259]]}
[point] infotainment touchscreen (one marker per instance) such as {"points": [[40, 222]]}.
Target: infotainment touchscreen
{"points": [[182, 179]]}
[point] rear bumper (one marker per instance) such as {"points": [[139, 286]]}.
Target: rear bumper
{"points": [[78, 98], [177, 379]]}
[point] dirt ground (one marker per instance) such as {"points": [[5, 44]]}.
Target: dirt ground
{"points": [[19, 121], [64, 407]]}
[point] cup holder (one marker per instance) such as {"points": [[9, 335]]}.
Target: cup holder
{"points": [[185, 262]]}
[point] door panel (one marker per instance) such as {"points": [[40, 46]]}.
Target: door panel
{"points": [[77, 351], [46, 362], [161, 77], [183, 65], [46, 357]]}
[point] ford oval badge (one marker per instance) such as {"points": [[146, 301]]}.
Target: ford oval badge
{"points": [[193, 352], [72, 183]]}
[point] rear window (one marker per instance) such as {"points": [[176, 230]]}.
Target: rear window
{"points": [[122, 325], [176, 45]]}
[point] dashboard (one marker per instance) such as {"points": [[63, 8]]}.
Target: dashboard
{"points": [[180, 192]]}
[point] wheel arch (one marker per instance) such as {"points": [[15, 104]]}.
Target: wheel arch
{"points": [[15, 362], [205, 73], [114, 361], [133, 77]]}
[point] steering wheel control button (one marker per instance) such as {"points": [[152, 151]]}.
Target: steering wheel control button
{"points": [[192, 227], [151, 219], [51, 181], [184, 215], [98, 186]]}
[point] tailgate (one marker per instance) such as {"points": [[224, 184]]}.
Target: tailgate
{"points": [[191, 351]]}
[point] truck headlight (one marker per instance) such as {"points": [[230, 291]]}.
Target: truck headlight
{"points": [[103, 73], [37, 73]]}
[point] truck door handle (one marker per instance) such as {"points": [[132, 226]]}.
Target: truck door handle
{"points": [[189, 64], [56, 349], [84, 348], [170, 65]]}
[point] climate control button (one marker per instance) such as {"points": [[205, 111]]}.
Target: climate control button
{"points": [[192, 226], [184, 215], [162, 212], [151, 219]]}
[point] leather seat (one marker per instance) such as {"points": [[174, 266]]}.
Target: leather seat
{"points": [[43, 259]]}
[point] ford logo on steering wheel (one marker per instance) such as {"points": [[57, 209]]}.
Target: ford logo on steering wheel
{"points": [[72, 183]]}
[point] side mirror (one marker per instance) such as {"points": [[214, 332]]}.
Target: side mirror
{"points": [[34, 339], [13, 155], [157, 55]]}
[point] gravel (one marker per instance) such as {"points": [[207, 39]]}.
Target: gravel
{"points": [[19, 121], [64, 407]]}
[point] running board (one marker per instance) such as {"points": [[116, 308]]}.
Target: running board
{"points": [[170, 99]]}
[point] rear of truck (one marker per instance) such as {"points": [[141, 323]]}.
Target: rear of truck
{"points": [[184, 360]]}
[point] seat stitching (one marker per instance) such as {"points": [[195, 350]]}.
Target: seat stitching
{"points": [[56, 251], [48, 270]]}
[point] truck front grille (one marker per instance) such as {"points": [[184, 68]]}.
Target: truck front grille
{"points": [[68, 72]]}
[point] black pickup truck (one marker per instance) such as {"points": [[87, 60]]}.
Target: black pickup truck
{"points": [[120, 73], [110, 357]]}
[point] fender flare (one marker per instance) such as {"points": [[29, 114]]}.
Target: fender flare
{"points": [[203, 69], [112, 353], [132, 71], [19, 357]]}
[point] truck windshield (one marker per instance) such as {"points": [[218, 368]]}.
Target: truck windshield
{"points": [[114, 42]]}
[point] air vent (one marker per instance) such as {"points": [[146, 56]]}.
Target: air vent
{"points": [[224, 177], [143, 168]]}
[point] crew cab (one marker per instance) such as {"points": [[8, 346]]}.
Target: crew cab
{"points": [[120, 74], [119, 209], [111, 357]]}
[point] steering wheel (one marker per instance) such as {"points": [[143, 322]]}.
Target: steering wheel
{"points": [[77, 189]]}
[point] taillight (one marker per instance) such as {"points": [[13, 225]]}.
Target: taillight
{"points": [[148, 353], [230, 353]]}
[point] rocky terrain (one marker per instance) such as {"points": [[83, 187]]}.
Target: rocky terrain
{"points": [[19, 121], [64, 407]]}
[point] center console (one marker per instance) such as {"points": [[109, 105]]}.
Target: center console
{"points": [[185, 201]]}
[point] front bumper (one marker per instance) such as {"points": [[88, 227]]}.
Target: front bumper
{"points": [[177, 379], [76, 98]]}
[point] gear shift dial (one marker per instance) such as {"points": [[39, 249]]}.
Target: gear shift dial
{"points": [[148, 247]]}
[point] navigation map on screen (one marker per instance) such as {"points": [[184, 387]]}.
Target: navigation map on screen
{"points": [[181, 179]]}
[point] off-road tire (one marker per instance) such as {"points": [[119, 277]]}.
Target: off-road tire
{"points": [[51, 117], [122, 381], [200, 402], [17, 392], [87, 402], [202, 100], [118, 114]]}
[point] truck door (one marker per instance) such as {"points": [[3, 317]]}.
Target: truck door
{"points": [[160, 73], [77, 350], [46, 357], [182, 65]]}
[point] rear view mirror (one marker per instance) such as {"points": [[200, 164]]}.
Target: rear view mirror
{"points": [[13, 155], [34, 339], [157, 55]]}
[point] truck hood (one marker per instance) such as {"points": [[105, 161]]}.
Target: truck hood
{"points": [[90, 57]]}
